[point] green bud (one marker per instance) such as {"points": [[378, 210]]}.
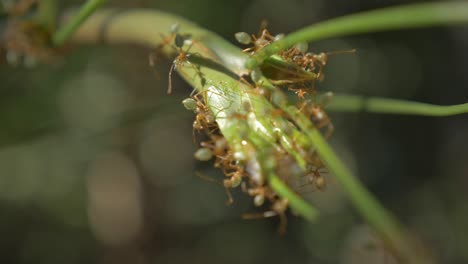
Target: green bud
{"points": [[243, 38], [203, 154], [190, 104]]}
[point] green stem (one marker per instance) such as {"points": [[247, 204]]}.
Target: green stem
{"points": [[227, 94], [143, 27], [48, 13], [353, 103], [146, 27], [64, 33], [404, 17], [297, 203], [377, 216]]}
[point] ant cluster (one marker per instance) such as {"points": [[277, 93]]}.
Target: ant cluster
{"points": [[242, 169], [304, 70], [238, 172]]}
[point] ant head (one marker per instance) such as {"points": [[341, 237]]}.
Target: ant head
{"points": [[180, 39]]}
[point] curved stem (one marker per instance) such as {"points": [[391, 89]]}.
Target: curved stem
{"points": [[404, 17], [149, 27], [218, 65], [48, 13], [64, 33], [354, 103], [297, 203], [378, 217]]}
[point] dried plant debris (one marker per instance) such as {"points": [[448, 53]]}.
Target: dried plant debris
{"points": [[24, 41]]}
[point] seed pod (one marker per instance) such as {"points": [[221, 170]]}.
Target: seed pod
{"points": [[203, 154], [190, 104], [278, 37], [243, 38], [259, 200]]}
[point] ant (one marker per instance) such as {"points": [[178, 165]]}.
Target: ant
{"points": [[179, 41], [234, 180], [309, 61], [204, 119], [259, 193], [228, 193], [304, 89], [263, 39], [166, 40], [315, 177], [181, 58], [217, 147], [278, 208], [316, 112]]}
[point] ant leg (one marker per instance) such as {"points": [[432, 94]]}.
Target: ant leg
{"points": [[169, 88], [266, 214], [330, 129], [230, 200], [283, 224], [207, 178], [340, 52]]}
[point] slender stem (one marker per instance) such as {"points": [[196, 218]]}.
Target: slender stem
{"points": [[353, 103], [149, 27], [404, 17], [297, 203], [64, 33], [375, 214], [48, 13]]}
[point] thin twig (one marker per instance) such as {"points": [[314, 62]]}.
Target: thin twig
{"points": [[64, 33]]}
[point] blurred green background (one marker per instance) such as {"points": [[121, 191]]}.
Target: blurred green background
{"points": [[96, 161]]}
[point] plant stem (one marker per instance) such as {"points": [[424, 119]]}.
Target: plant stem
{"points": [[375, 214], [48, 13], [404, 17], [143, 27], [148, 27], [64, 33], [297, 203], [227, 94], [354, 103]]}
